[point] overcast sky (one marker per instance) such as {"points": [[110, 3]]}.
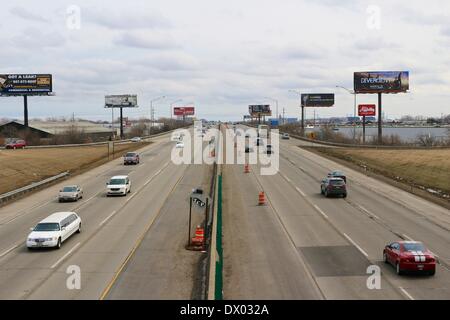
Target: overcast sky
{"points": [[224, 55]]}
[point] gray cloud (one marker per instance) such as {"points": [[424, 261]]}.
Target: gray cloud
{"points": [[26, 14], [146, 40], [36, 38]]}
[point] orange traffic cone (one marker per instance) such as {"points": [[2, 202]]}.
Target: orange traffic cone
{"points": [[262, 198], [199, 238], [246, 168]]}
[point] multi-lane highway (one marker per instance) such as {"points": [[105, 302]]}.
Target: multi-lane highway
{"points": [[303, 245], [300, 245]]}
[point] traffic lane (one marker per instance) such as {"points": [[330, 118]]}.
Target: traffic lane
{"points": [[403, 221], [14, 233], [48, 195], [431, 211], [260, 261], [332, 257], [161, 267], [102, 255], [19, 268], [367, 233]]}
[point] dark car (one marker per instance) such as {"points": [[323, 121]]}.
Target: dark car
{"points": [[338, 174], [16, 144], [410, 256], [248, 149], [131, 158], [259, 142], [269, 149], [333, 186]]}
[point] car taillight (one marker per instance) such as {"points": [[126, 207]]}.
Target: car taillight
{"points": [[430, 259]]}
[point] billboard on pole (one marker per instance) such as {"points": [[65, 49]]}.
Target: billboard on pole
{"points": [[381, 82], [366, 110], [121, 101], [259, 110], [184, 111], [25, 84], [317, 99]]}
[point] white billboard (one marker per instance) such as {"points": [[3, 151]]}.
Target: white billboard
{"points": [[121, 101]]}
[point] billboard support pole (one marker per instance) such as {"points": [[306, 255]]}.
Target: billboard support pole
{"points": [[303, 120], [121, 123], [380, 121], [364, 129], [25, 111]]}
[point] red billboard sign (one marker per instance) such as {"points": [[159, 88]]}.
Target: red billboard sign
{"points": [[184, 111], [366, 110]]}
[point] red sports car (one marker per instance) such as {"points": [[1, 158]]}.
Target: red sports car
{"points": [[410, 256]]}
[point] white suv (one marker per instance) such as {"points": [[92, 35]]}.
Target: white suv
{"points": [[118, 185], [54, 230]]}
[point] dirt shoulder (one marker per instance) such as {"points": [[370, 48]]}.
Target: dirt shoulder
{"points": [[425, 173], [23, 167]]}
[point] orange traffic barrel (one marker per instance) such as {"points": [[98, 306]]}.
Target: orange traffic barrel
{"points": [[199, 238], [262, 198]]}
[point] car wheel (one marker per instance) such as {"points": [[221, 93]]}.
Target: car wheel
{"points": [[58, 245], [79, 228], [344, 195], [321, 191], [385, 258], [432, 272], [398, 270]]}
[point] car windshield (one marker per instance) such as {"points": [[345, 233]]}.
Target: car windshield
{"points": [[130, 154], [47, 227], [117, 181], [414, 247], [69, 189], [336, 182]]}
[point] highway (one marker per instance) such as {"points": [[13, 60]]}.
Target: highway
{"points": [[112, 228], [303, 245], [300, 245]]}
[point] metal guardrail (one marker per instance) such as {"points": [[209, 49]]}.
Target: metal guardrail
{"points": [[9, 195]]}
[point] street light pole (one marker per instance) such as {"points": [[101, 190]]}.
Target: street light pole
{"points": [[152, 112], [303, 111], [276, 104]]}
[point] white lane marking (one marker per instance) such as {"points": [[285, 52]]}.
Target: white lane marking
{"points": [[289, 180], [406, 293], [65, 256], [107, 218], [321, 212], [409, 238], [9, 250], [368, 212], [300, 191], [356, 245]]}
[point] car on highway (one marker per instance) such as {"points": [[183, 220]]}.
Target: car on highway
{"points": [[118, 185], [285, 136], [338, 174], [333, 186], [259, 142], [248, 149], [179, 145], [54, 230], [131, 158], [269, 149], [70, 193], [16, 144], [410, 256], [136, 139]]}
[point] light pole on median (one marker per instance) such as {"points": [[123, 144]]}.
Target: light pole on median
{"points": [[354, 110], [152, 112], [276, 103], [303, 111]]}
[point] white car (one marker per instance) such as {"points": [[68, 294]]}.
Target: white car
{"points": [[136, 139], [70, 193], [54, 230], [179, 145], [118, 185]]}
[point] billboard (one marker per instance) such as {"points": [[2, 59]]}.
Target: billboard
{"points": [[381, 82], [365, 110], [259, 110], [25, 84], [184, 111], [317, 99], [121, 101]]}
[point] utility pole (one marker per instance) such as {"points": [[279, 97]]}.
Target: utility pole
{"points": [[283, 115]]}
